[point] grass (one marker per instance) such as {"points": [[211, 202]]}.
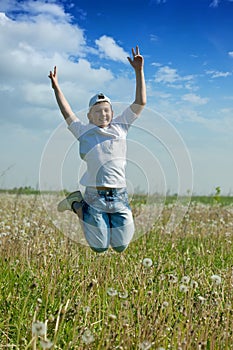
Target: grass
{"points": [[84, 300]]}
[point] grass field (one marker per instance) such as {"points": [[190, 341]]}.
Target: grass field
{"points": [[166, 291]]}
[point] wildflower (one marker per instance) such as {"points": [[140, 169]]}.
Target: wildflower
{"points": [[216, 279], [86, 309], [123, 295], [194, 284], [112, 292], [46, 344], [185, 279], [202, 299], [172, 278], [183, 288], [88, 337], [38, 328], [147, 262], [112, 317], [165, 304], [125, 304], [162, 277], [145, 345]]}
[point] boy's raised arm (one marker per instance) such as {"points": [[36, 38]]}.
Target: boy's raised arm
{"points": [[63, 104], [140, 96]]}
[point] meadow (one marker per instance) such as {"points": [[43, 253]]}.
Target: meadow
{"points": [[168, 290]]}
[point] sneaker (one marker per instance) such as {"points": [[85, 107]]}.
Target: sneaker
{"points": [[66, 204]]}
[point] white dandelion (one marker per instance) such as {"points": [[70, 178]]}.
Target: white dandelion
{"points": [[39, 328], [194, 284], [165, 304], [123, 295], [183, 288], [46, 344], [86, 309], [145, 345], [88, 337], [185, 279], [201, 299], [147, 262], [216, 279], [112, 292], [112, 317], [172, 278]]}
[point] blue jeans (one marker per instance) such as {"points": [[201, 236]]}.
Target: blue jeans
{"points": [[107, 219]]}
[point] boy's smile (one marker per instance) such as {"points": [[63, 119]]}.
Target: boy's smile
{"points": [[101, 114]]}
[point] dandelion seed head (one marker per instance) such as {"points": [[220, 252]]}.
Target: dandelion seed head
{"points": [[112, 292], [145, 345], [86, 309], [172, 278], [147, 262], [88, 337], [202, 299], [112, 317], [165, 304], [183, 288], [123, 295], [216, 279], [38, 328], [194, 284], [185, 279], [46, 344]]}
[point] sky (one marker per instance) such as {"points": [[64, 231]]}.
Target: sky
{"points": [[183, 139]]}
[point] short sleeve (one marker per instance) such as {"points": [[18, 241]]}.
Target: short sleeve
{"points": [[126, 118], [76, 127]]}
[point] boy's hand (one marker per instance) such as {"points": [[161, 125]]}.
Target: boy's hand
{"points": [[137, 61], [53, 77]]}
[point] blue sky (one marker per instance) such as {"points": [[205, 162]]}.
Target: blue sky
{"points": [[188, 53]]}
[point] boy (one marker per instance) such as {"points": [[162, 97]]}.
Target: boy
{"points": [[104, 213]]}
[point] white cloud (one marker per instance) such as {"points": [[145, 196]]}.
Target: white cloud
{"points": [[110, 49], [156, 64], [167, 75], [161, 1], [154, 37], [230, 53], [218, 74], [31, 46], [214, 3], [41, 34], [29, 10], [195, 99]]}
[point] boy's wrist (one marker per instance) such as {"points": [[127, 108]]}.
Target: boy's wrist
{"points": [[139, 70]]}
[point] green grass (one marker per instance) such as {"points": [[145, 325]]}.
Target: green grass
{"points": [[45, 276]]}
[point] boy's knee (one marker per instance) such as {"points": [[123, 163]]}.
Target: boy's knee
{"points": [[99, 250], [120, 249]]}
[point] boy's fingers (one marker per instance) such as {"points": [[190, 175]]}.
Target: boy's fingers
{"points": [[133, 52], [137, 50]]}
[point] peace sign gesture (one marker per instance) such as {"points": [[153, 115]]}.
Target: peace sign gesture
{"points": [[137, 61]]}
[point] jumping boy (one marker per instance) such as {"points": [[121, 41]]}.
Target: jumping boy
{"points": [[104, 211]]}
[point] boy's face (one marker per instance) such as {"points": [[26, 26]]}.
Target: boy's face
{"points": [[101, 114]]}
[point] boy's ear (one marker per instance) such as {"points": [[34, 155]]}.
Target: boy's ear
{"points": [[88, 115]]}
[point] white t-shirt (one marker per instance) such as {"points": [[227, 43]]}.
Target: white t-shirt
{"points": [[104, 150]]}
